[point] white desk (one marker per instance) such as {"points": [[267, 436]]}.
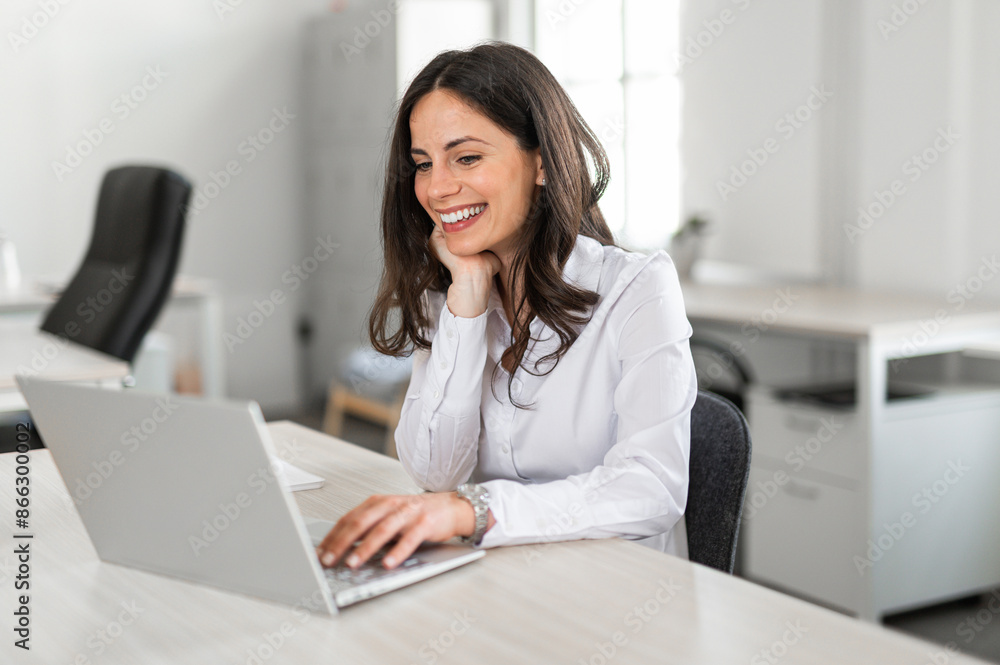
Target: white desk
{"points": [[37, 295], [548, 603], [990, 349], [856, 486], [39, 353]]}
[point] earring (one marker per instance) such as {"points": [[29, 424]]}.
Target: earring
{"points": [[543, 182]]}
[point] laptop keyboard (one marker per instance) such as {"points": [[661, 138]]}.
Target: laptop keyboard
{"points": [[341, 577]]}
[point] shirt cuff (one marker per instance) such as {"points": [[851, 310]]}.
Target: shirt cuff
{"points": [[559, 513]]}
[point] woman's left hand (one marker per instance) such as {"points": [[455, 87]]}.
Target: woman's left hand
{"points": [[414, 518]]}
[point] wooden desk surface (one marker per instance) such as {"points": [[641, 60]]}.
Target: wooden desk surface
{"points": [[592, 602]]}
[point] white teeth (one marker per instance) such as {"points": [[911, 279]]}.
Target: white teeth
{"points": [[459, 215]]}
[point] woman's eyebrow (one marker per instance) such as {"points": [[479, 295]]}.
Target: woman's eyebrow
{"points": [[451, 144]]}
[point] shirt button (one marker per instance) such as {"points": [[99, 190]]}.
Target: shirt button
{"points": [[505, 450], [450, 334], [436, 394], [444, 365]]}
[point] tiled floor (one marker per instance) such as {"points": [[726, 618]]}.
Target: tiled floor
{"points": [[970, 625]]}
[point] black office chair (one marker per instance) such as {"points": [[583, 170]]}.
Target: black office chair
{"points": [[719, 468], [719, 370], [129, 268]]}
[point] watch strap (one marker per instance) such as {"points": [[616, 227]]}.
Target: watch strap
{"points": [[479, 498]]}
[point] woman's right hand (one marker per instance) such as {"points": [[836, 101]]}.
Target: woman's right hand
{"points": [[471, 276]]}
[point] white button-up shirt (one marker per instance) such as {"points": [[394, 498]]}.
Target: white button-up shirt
{"points": [[604, 450]]}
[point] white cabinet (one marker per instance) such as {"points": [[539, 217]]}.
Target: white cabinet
{"points": [[933, 531], [886, 505]]}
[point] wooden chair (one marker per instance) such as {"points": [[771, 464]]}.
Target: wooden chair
{"points": [[372, 387], [344, 401]]}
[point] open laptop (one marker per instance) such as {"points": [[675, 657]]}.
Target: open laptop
{"points": [[184, 487]]}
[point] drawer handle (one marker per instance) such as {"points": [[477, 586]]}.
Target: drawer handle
{"points": [[801, 491]]}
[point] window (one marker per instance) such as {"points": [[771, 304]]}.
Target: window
{"points": [[615, 59], [427, 27]]}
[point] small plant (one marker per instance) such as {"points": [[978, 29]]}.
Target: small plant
{"points": [[685, 244], [694, 226]]}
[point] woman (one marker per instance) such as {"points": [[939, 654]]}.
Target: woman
{"points": [[552, 381]]}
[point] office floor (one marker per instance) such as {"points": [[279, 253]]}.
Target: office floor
{"points": [[970, 624]]}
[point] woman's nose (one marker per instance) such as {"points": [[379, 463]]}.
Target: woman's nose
{"points": [[442, 183]]}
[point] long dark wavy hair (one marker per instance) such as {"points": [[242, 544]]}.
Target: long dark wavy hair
{"points": [[511, 87]]}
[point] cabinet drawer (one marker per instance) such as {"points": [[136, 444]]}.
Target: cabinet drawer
{"points": [[803, 436], [801, 536]]}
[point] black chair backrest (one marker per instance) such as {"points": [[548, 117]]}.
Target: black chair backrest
{"points": [[719, 468], [127, 273], [720, 370]]}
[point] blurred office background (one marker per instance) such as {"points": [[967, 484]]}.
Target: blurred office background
{"points": [[840, 143]]}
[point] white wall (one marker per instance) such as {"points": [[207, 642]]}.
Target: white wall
{"points": [[747, 65], [224, 73], [892, 91], [939, 70]]}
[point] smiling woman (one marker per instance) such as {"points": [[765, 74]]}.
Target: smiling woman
{"points": [[498, 264], [468, 112]]}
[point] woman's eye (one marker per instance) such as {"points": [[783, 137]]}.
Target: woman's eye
{"points": [[420, 167], [471, 159]]}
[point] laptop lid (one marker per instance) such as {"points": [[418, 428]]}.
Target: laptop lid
{"points": [[181, 487]]}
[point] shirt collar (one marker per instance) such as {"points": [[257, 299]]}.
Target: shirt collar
{"points": [[582, 269]]}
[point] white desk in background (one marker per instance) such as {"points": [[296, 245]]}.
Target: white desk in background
{"points": [[599, 601], [50, 357], [37, 296], [842, 522]]}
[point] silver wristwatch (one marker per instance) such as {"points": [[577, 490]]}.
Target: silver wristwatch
{"points": [[479, 498]]}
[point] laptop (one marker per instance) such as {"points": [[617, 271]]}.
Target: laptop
{"points": [[184, 487]]}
